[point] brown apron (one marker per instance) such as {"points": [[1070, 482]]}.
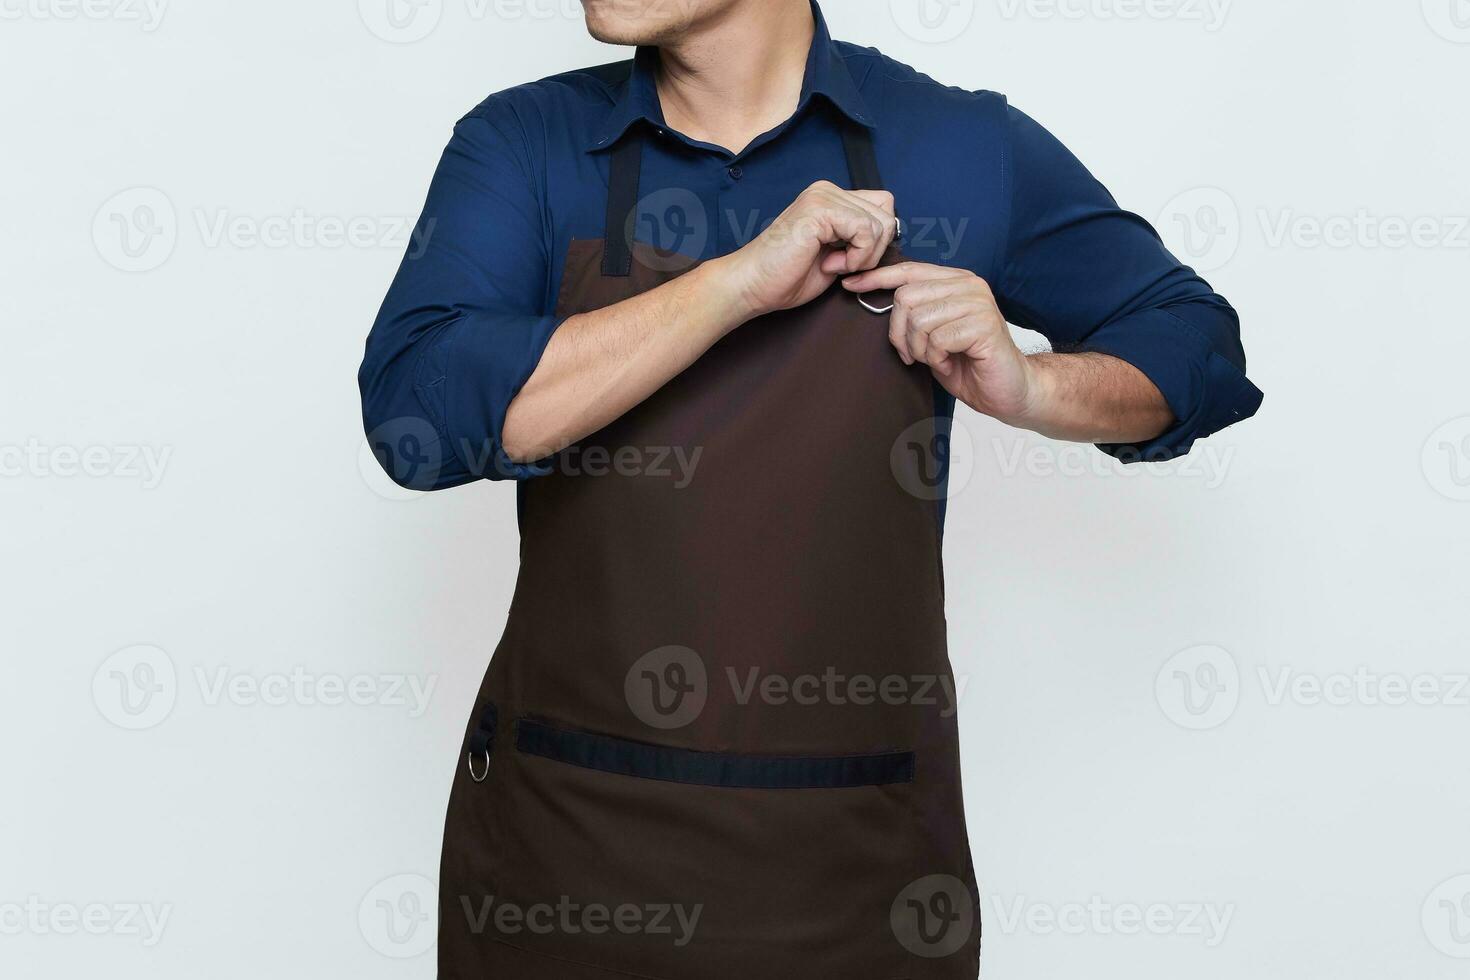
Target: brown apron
{"points": [[717, 740]]}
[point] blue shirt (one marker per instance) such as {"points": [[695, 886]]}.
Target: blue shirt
{"points": [[979, 184]]}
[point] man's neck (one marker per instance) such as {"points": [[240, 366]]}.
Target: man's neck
{"points": [[733, 79]]}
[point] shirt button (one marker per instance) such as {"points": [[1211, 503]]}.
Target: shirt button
{"points": [[737, 172]]}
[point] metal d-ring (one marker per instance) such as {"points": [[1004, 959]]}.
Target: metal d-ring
{"points": [[880, 310], [470, 762]]}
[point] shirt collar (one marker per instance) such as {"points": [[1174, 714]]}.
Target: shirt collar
{"points": [[827, 75]]}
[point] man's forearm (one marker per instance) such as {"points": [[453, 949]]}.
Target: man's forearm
{"points": [[599, 365], [1089, 397]]}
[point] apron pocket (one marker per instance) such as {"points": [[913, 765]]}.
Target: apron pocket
{"points": [[644, 761], [674, 864]]}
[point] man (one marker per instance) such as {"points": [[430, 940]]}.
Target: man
{"points": [[701, 749]]}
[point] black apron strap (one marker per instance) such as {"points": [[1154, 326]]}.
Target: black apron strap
{"points": [[624, 171], [862, 162], [622, 198]]}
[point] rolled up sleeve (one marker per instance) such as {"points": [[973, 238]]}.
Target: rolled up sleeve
{"points": [[1090, 276], [462, 327]]}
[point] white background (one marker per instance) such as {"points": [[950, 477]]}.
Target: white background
{"points": [[1327, 537]]}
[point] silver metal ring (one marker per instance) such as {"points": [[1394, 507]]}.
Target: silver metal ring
{"points": [[470, 762], [880, 310], [897, 228]]}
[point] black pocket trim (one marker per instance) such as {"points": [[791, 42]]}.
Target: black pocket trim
{"points": [[644, 761], [483, 737]]}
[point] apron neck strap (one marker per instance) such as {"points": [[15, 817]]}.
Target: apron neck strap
{"points": [[862, 162], [622, 200], [625, 170]]}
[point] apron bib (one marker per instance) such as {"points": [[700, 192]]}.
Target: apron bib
{"points": [[716, 741]]}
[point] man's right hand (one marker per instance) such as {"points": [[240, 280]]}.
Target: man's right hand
{"points": [[600, 364], [827, 232]]}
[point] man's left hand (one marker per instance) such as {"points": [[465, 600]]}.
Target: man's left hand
{"points": [[948, 319]]}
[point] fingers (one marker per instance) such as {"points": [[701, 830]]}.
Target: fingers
{"points": [[899, 274], [923, 305], [934, 318], [861, 222]]}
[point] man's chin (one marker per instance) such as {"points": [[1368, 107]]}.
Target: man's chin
{"points": [[621, 22], [610, 30]]}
